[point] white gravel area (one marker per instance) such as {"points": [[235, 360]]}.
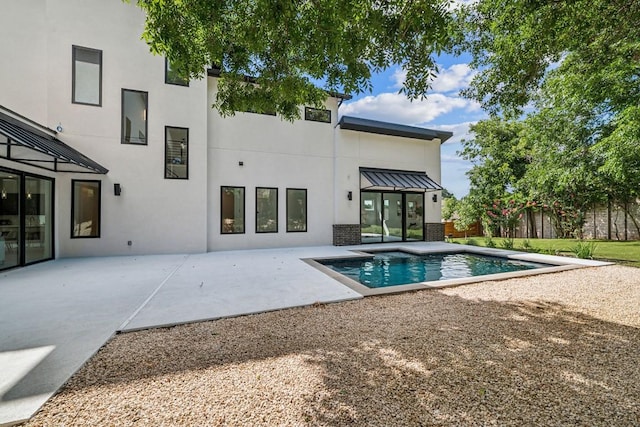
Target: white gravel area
{"points": [[555, 349]]}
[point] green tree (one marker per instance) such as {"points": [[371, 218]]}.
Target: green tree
{"points": [[290, 46]]}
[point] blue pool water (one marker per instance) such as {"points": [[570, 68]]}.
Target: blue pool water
{"points": [[401, 268]]}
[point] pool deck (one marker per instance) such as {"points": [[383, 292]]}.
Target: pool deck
{"points": [[54, 316]]}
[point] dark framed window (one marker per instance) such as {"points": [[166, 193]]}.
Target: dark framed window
{"points": [[266, 210], [135, 105], [232, 210], [86, 85], [317, 115], [85, 209], [172, 77], [296, 210], [176, 153]]}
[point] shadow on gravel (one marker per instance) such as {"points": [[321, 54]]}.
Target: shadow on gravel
{"points": [[413, 359]]}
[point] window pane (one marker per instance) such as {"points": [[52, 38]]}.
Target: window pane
{"points": [[176, 153], [38, 221], [232, 207], [134, 117], [85, 208], [296, 209], [266, 210], [172, 77], [316, 115], [87, 74], [10, 214]]}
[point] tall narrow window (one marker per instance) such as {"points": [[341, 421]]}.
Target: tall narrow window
{"points": [[134, 116], [266, 210], [176, 153], [232, 210], [85, 209], [296, 209], [87, 76], [172, 77]]}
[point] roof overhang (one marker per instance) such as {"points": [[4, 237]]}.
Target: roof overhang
{"points": [[27, 142], [393, 129], [394, 180]]}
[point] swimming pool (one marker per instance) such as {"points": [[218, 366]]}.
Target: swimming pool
{"points": [[395, 268]]}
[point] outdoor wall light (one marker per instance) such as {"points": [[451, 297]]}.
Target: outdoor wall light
{"points": [[240, 163], [349, 195], [435, 198], [117, 189]]}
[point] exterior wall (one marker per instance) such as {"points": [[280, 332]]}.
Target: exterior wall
{"points": [[359, 149], [275, 153], [157, 215]]}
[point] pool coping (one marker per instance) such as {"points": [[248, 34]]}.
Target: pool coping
{"points": [[557, 263]]}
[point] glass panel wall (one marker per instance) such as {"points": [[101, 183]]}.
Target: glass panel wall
{"points": [[266, 210], [392, 217], [371, 217], [38, 219], [85, 209], [232, 210], [414, 216], [296, 210], [10, 228]]}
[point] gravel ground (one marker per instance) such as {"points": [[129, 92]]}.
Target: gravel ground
{"points": [[556, 349]]}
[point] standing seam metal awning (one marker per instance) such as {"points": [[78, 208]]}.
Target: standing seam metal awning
{"points": [[28, 145], [396, 180]]}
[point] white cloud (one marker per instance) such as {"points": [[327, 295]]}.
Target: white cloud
{"points": [[453, 78], [460, 131], [397, 108]]}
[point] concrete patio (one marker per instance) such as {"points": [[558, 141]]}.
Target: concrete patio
{"points": [[56, 315]]}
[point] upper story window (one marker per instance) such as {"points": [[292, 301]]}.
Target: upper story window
{"points": [[316, 115], [176, 153], [87, 76], [171, 77], [134, 116]]}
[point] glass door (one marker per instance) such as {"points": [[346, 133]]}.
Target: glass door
{"points": [[392, 224], [10, 225], [371, 217], [414, 220], [38, 219]]}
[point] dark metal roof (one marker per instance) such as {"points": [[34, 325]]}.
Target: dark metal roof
{"points": [[393, 129], [382, 179], [38, 147], [217, 72]]}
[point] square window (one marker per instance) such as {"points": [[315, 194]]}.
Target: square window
{"points": [[86, 85], [316, 115], [266, 210], [296, 210], [85, 209], [176, 153], [232, 210], [134, 116], [172, 77]]}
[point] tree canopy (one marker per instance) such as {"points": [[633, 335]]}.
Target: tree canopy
{"points": [[296, 51]]}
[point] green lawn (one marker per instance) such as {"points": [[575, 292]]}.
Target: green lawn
{"points": [[627, 253]]}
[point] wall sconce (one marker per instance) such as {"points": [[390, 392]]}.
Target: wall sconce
{"points": [[117, 189], [4, 194], [435, 198], [349, 195], [29, 196], [241, 163]]}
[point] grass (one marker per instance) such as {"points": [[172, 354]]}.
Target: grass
{"points": [[622, 252]]}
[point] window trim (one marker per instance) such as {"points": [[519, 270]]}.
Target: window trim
{"points": [[146, 121], [166, 149], [256, 207], [73, 182], [306, 212], [74, 48], [166, 75], [307, 110], [244, 210]]}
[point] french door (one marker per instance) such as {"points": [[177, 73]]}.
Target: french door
{"points": [[391, 216]]}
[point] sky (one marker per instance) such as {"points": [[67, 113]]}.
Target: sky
{"points": [[443, 109]]}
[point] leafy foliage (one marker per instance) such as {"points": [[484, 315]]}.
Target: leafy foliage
{"points": [[289, 46]]}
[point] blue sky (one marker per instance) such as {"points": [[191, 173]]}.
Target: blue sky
{"points": [[444, 109]]}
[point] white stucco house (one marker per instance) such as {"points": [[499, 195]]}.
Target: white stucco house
{"points": [[104, 152]]}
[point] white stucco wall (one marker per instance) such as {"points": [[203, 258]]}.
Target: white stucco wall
{"points": [[156, 214], [275, 153], [360, 149]]}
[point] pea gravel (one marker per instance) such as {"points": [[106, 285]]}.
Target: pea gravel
{"points": [[555, 349]]}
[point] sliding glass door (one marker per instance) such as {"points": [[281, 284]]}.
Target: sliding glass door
{"points": [[391, 217], [26, 219]]}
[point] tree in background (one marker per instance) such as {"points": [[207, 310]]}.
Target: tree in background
{"points": [[290, 46]]}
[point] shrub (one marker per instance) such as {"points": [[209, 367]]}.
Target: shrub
{"points": [[507, 243], [471, 242], [489, 242], [584, 250]]}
